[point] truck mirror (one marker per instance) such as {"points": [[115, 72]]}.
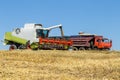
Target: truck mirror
{"points": [[110, 41]]}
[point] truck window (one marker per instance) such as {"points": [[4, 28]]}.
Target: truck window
{"points": [[98, 40], [105, 40]]}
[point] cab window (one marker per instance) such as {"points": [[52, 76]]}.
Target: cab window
{"points": [[98, 40], [41, 33], [105, 40]]}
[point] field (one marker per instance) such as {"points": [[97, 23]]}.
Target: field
{"points": [[59, 65]]}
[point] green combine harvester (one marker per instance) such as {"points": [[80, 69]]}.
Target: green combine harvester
{"points": [[34, 36]]}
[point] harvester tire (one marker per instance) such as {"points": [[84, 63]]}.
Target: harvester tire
{"points": [[12, 47], [22, 47]]}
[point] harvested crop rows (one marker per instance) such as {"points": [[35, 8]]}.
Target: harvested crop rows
{"points": [[59, 65]]}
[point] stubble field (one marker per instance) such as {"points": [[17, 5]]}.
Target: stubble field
{"points": [[59, 65]]}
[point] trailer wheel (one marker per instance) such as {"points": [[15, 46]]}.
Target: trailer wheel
{"points": [[75, 48], [89, 48], [12, 47], [108, 49], [81, 48], [95, 48]]}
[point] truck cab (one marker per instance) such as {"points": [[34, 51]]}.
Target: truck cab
{"points": [[102, 43]]}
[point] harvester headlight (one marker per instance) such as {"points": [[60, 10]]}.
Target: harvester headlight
{"points": [[4, 43]]}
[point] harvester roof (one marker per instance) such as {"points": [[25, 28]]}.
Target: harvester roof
{"points": [[32, 25]]}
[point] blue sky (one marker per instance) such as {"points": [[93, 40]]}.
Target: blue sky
{"points": [[100, 17]]}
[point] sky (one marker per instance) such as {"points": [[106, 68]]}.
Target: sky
{"points": [[100, 17]]}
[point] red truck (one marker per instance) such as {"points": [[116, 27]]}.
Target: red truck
{"points": [[87, 42]]}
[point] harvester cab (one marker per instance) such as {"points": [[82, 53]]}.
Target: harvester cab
{"points": [[44, 32]]}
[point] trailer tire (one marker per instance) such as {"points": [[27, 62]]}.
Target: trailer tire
{"points": [[95, 48], [75, 48], [81, 48], [89, 49]]}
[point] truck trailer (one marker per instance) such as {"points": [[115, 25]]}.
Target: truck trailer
{"points": [[90, 42]]}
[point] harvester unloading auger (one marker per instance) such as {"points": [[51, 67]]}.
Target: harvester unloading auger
{"points": [[34, 36]]}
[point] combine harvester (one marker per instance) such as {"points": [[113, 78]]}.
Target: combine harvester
{"points": [[34, 36]]}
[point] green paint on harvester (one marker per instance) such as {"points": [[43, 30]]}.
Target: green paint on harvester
{"points": [[10, 37], [34, 45]]}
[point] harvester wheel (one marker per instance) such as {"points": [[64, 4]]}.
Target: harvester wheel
{"points": [[12, 47], [22, 47]]}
